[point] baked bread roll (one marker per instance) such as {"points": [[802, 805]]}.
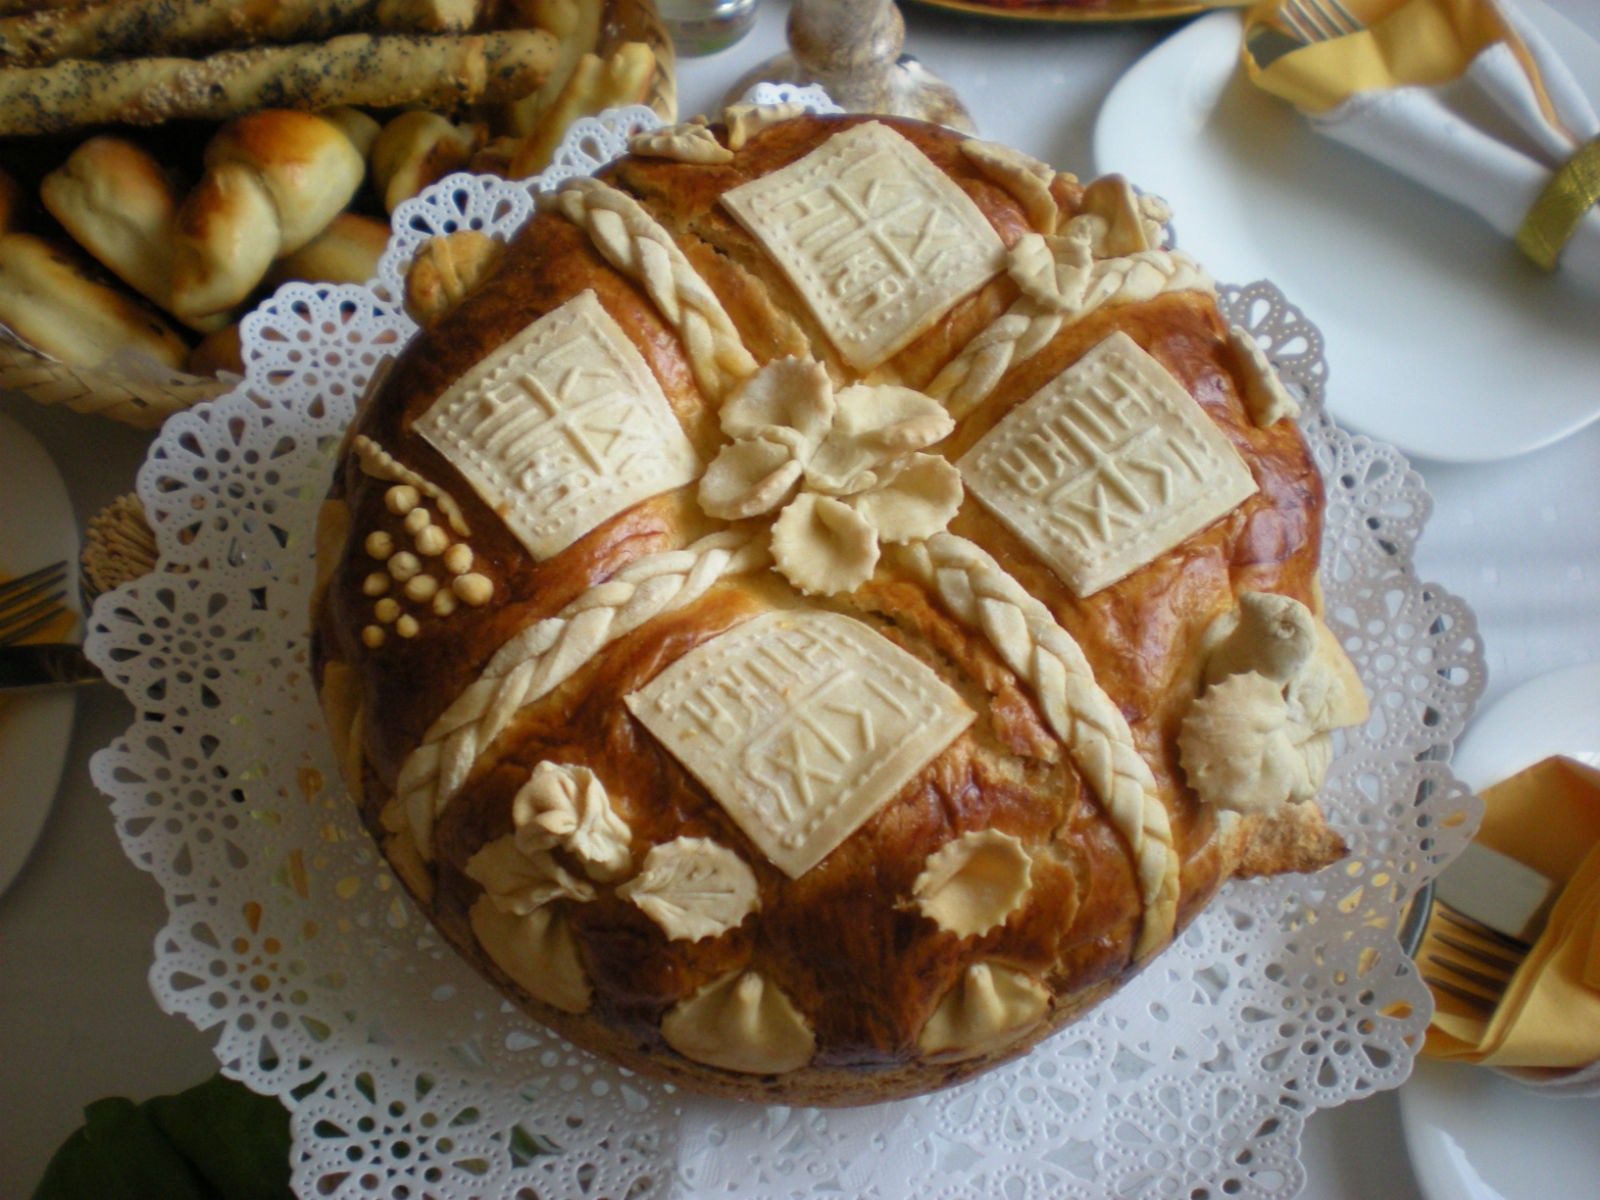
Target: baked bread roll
{"points": [[274, 180], [49, 300], [418, 148], [118, 204], [820, 613], [347, 251]]}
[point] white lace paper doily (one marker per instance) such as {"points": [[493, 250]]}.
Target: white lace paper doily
{"points": [[408, 1076]]}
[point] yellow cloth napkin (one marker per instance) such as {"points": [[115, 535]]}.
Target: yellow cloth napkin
{"points": [[1465, 97], [1547, 817]]}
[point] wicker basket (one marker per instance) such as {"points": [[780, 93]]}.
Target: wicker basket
{"points": [[145, 401]]}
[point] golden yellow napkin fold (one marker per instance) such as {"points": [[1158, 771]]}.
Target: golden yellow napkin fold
{"points": [[1408, 89], [1404, 43], [1547, 817]]}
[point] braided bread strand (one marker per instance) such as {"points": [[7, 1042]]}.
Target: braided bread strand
{"points": [[636, 244], [540, 657], [1025, 328], [1027, 636]]}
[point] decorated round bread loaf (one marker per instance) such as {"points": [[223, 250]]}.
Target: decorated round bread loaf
{"points": [[826, 604]]}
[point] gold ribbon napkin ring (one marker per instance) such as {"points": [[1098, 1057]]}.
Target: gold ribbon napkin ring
{"points": [[1570, 193]]}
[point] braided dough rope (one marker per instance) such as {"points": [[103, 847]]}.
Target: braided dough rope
{"points": [[1043, 654], [635, 243], [1025, 328], [543, 655]]}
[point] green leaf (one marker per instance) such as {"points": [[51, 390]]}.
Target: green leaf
{"points": [[237, 1141], [119, 1154]]}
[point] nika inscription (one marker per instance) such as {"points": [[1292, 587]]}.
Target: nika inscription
{"points": [[561, 428], [1109, 465], [802, 725], [878, 240]]}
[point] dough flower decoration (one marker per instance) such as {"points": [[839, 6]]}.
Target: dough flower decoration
{"points": [[843, 470], [1277, 684], [568, 806]]}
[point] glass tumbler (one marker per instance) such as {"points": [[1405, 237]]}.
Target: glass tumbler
{"points": [[706, 26]]}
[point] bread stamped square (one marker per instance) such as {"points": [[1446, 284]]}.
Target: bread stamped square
{"points": [[1107, 467], [879, 241], [562, 427], [802, 725]]}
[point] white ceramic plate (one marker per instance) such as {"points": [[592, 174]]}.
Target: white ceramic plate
{"points": [[1441, 338], [1473, 1134], [38, 529], [1558, 713]]}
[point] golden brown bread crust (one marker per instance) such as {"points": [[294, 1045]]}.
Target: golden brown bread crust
{"points": [[840, 941]]}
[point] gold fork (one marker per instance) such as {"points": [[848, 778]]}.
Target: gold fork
{"points": [[1318, 20], [1468, 960], [30, 602], [1306, 21]]}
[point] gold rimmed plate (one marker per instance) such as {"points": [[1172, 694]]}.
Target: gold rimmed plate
{"points": [[1064, 11]]}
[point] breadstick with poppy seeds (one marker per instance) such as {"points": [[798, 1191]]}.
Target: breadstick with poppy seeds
{"points": [[376, 70], [134, 28]]}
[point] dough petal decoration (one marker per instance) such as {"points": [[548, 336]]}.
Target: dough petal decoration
{"points": [[1044, 655], [750, 477], [689, 142], [634, 242], [1113, 219], [567, 806], [536, 951], [988, 1004], [542, 655], [741, 1022], [518, 880], [1055, 294], [973, 883], [855, 456], [916, 502], [792, 395], [693, 888], [744, 121], [823, 546]]}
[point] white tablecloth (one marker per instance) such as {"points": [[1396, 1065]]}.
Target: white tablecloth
{"points": [[1519, 540]]}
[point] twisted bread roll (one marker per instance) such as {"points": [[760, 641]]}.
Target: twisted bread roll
{"points": [[361, 129], [275, 179], [347, 251], [376, 70], [128, 28], [50, 301], [118, 204], [417, 148]]}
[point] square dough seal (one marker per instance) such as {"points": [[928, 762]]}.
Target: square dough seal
{"points": [[1107, 467], [879, 241], [802, 725], [562, 427]]}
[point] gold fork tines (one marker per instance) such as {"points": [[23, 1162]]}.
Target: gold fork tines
{"points": [[30, 602], [1480, 961], [1318, 20]]}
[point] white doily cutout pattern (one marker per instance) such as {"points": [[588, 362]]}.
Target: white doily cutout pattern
{"points": [[408, 1075]]}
